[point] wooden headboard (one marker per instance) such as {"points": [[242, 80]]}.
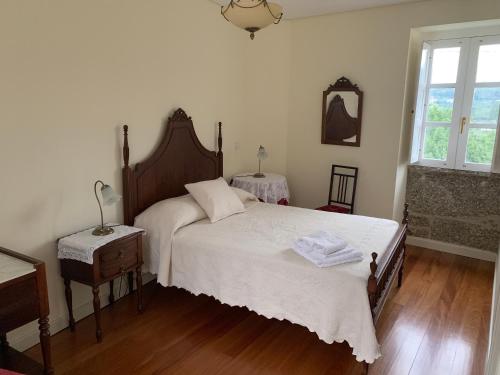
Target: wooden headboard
{"points": [[179, 159]]}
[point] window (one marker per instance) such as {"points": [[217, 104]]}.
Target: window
{"points": [[458, 103]]}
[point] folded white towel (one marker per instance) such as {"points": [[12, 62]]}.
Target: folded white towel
{"points": [[346, 255], [321, 242]]}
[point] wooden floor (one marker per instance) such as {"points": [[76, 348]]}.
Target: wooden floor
{"points": [[437, 323]]}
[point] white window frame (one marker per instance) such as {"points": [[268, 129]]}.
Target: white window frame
{"points": [[419, 103], [471, 84], [462, 104], [459, 86]]}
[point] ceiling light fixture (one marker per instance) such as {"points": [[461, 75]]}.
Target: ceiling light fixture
{"points": [[252, 15]]}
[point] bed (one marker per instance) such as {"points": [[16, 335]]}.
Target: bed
{"points": [[246, 259]]}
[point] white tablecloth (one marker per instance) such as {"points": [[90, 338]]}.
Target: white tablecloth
{"points": [[81, 246], [270, 189]]}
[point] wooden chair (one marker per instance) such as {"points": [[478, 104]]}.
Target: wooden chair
{"points": [[343, 187]]}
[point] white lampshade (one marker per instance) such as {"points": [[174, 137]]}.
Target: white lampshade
{"points": [[252, 15], [109, 196], [262, 153]]}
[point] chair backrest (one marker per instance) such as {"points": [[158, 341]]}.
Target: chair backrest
{"points": [[343, 186]]}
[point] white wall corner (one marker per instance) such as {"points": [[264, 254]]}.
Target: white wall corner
{"points": [[493, 360]]}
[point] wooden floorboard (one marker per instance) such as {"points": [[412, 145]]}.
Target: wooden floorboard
{"points": [[436, 323]]}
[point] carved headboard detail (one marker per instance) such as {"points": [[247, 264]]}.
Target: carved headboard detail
{"points": [[179, 159]]}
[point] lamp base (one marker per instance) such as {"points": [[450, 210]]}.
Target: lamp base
{"points": [[102, 231], [259, 175]]}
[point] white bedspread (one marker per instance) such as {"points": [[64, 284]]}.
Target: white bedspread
{"points": [[247, 260]]}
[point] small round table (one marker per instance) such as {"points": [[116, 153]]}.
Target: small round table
{"points": [[272, 188]]}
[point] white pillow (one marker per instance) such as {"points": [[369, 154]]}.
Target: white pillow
{"points": [[216, 198], [244, 196], [161, 221]]}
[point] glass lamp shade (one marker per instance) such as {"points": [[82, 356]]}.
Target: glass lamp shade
{"points": [[109, 196], [252, 15], [262, 153]]}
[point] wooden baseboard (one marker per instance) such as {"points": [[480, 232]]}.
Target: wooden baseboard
{"points": [[27, 336], [452, 248]]}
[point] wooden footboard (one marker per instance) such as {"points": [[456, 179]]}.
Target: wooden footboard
{"points": [[391, 266]]}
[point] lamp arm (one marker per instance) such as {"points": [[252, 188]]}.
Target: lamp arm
{"points": [[98, 201]]}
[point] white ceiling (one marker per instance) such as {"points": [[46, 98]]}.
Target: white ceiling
{"points": [[306, 8]]}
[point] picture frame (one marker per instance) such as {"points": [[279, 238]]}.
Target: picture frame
{"points": [[342, 114]]}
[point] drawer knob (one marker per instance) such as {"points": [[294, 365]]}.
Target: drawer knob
{"points": [[121, 254]]}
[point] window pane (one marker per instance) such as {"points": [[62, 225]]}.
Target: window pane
{"points": [[488, 63], [436, 143], [440, 105], [485, 105], [445, 65], [480, 143]]}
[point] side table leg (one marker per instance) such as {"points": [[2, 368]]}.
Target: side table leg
{"points": [[130, 282], [139, 288], [97, 313], [112, 292], [43, 325], [69, 302]]}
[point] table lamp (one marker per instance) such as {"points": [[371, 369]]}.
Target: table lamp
{"points": [[109, 197], [261, 155]]}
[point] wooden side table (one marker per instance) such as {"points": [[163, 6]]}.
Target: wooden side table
{"points": [[119, 257], [23, 298]]}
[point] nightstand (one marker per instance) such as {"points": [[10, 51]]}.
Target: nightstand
{"points": [[93, 261], [272, 188], [23, 296]]}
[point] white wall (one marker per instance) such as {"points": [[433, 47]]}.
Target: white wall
{"points": [[371, 48], [493, 362], [72, 73], [267, 83]]}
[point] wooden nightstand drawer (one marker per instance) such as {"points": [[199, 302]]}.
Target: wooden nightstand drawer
{"points": [[118, 259], [19, 305]]}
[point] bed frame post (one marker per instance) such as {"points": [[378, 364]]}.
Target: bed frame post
{"points": [[401, 270], [219, 152], [405, 214], [125, 145], [372, 283], [127, 210]]}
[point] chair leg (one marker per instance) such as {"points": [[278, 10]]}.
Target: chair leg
{"points": [[366, 367]]}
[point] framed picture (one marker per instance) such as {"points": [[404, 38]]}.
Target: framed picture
{"points": [[342, 110]]}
